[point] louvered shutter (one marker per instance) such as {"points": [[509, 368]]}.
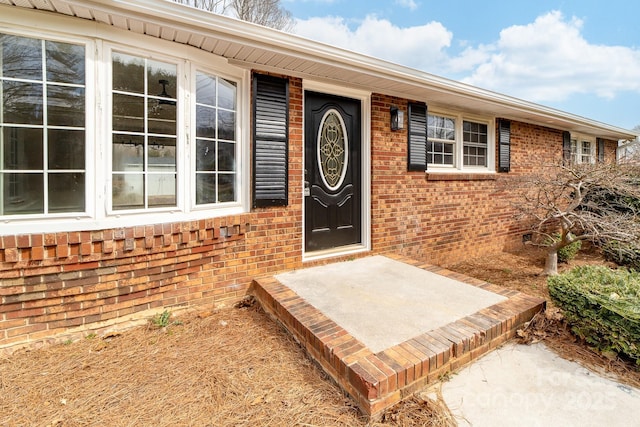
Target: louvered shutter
{"points": [[566, 147], [600, 144], [417, 137], [270, 141], [504, 145]]}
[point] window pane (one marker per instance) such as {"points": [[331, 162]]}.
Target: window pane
{"points": [[128, 113], [65, 106], [66, 149], [128, 73], [205, 122], [128, 153], [227, 97], [226, 125], [226, 188], [161, 78], [65, 63], [22, 148], [23, 193], [22, 103], [162, 116], [66, 192], [21, 57], [226, 156], [162, 190], [206, 89], [128, 191], [162, 154], [205, 188], [205, 155]]}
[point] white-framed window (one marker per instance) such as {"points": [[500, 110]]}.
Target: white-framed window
{"points": [[457, 142], [42, 127], [101, 134], [583, 149]]}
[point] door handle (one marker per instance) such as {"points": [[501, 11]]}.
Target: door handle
{"points": [[307, 189]]}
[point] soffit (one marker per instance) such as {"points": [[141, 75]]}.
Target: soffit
{"points": [[255, 47]]}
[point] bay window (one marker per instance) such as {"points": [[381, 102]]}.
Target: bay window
{"points": [[165, 142]]}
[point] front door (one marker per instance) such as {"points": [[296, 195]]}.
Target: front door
{"points": [[332, 172]]}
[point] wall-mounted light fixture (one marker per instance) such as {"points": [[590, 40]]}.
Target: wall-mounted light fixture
{"points": [[397, 119]]}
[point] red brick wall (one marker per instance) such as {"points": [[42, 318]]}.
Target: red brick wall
{"points": [[74, 282]]}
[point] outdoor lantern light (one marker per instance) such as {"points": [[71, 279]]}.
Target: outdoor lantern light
{"points": [[397, 119]]}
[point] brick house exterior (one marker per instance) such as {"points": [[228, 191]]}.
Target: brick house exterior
{"points": [[66, 279]]}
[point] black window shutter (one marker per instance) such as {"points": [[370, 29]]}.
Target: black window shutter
{"points": [[504, 145], [600, 143], [417, 137], [566, 147], [270, 141]]}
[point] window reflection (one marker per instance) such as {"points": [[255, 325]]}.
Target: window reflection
{"points": [[216, 149], [144, 112], [33, 71]]}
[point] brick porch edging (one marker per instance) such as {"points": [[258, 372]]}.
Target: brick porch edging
{"points": [[379, 380]]}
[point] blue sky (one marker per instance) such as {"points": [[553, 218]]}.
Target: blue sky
{"points": [[580, 56]]}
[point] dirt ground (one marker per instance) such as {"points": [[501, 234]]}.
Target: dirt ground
{"points": [[236, 367]]}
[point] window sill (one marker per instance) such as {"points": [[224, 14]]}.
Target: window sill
{"points": [[455, 176]]}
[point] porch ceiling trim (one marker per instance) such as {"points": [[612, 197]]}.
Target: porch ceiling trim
{"points": [[255, 47]]}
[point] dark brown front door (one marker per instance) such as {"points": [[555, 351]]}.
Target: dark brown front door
{"points": [[332, 172]]}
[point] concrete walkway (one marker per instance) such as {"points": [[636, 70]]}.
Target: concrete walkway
{"points": [[518, 385]]}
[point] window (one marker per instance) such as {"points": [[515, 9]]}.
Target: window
{"points": [[165, 142], [475, 143], [144, 133], [458, 143], [582, 150], [216, 147], [42, 126], [441, 140]]}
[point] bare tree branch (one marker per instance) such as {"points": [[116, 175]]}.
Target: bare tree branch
{"points": [[593, 202], [268, 13]]}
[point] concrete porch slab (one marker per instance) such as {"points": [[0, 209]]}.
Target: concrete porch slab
{"points": [[385, 327]]}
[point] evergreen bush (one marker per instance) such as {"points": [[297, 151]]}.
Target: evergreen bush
{"points": [[602, 306]]}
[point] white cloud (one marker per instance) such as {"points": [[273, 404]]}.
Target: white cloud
{"points": [[409, 4], [548, 61], [421, 47]]}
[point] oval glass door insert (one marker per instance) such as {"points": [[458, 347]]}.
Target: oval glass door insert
{"points": [[333, 149]]}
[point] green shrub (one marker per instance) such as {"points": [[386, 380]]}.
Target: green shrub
{"points": [[568, 252], [602, 306], [624, 254]]}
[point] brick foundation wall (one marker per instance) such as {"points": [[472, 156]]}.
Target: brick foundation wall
{"points": [[76, 282]]}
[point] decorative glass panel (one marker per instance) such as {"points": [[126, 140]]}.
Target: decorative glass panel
{"points": [[333, 149]]}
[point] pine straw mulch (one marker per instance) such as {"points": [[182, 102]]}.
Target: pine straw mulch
{"points": [[233, 367], [522, 270]]}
